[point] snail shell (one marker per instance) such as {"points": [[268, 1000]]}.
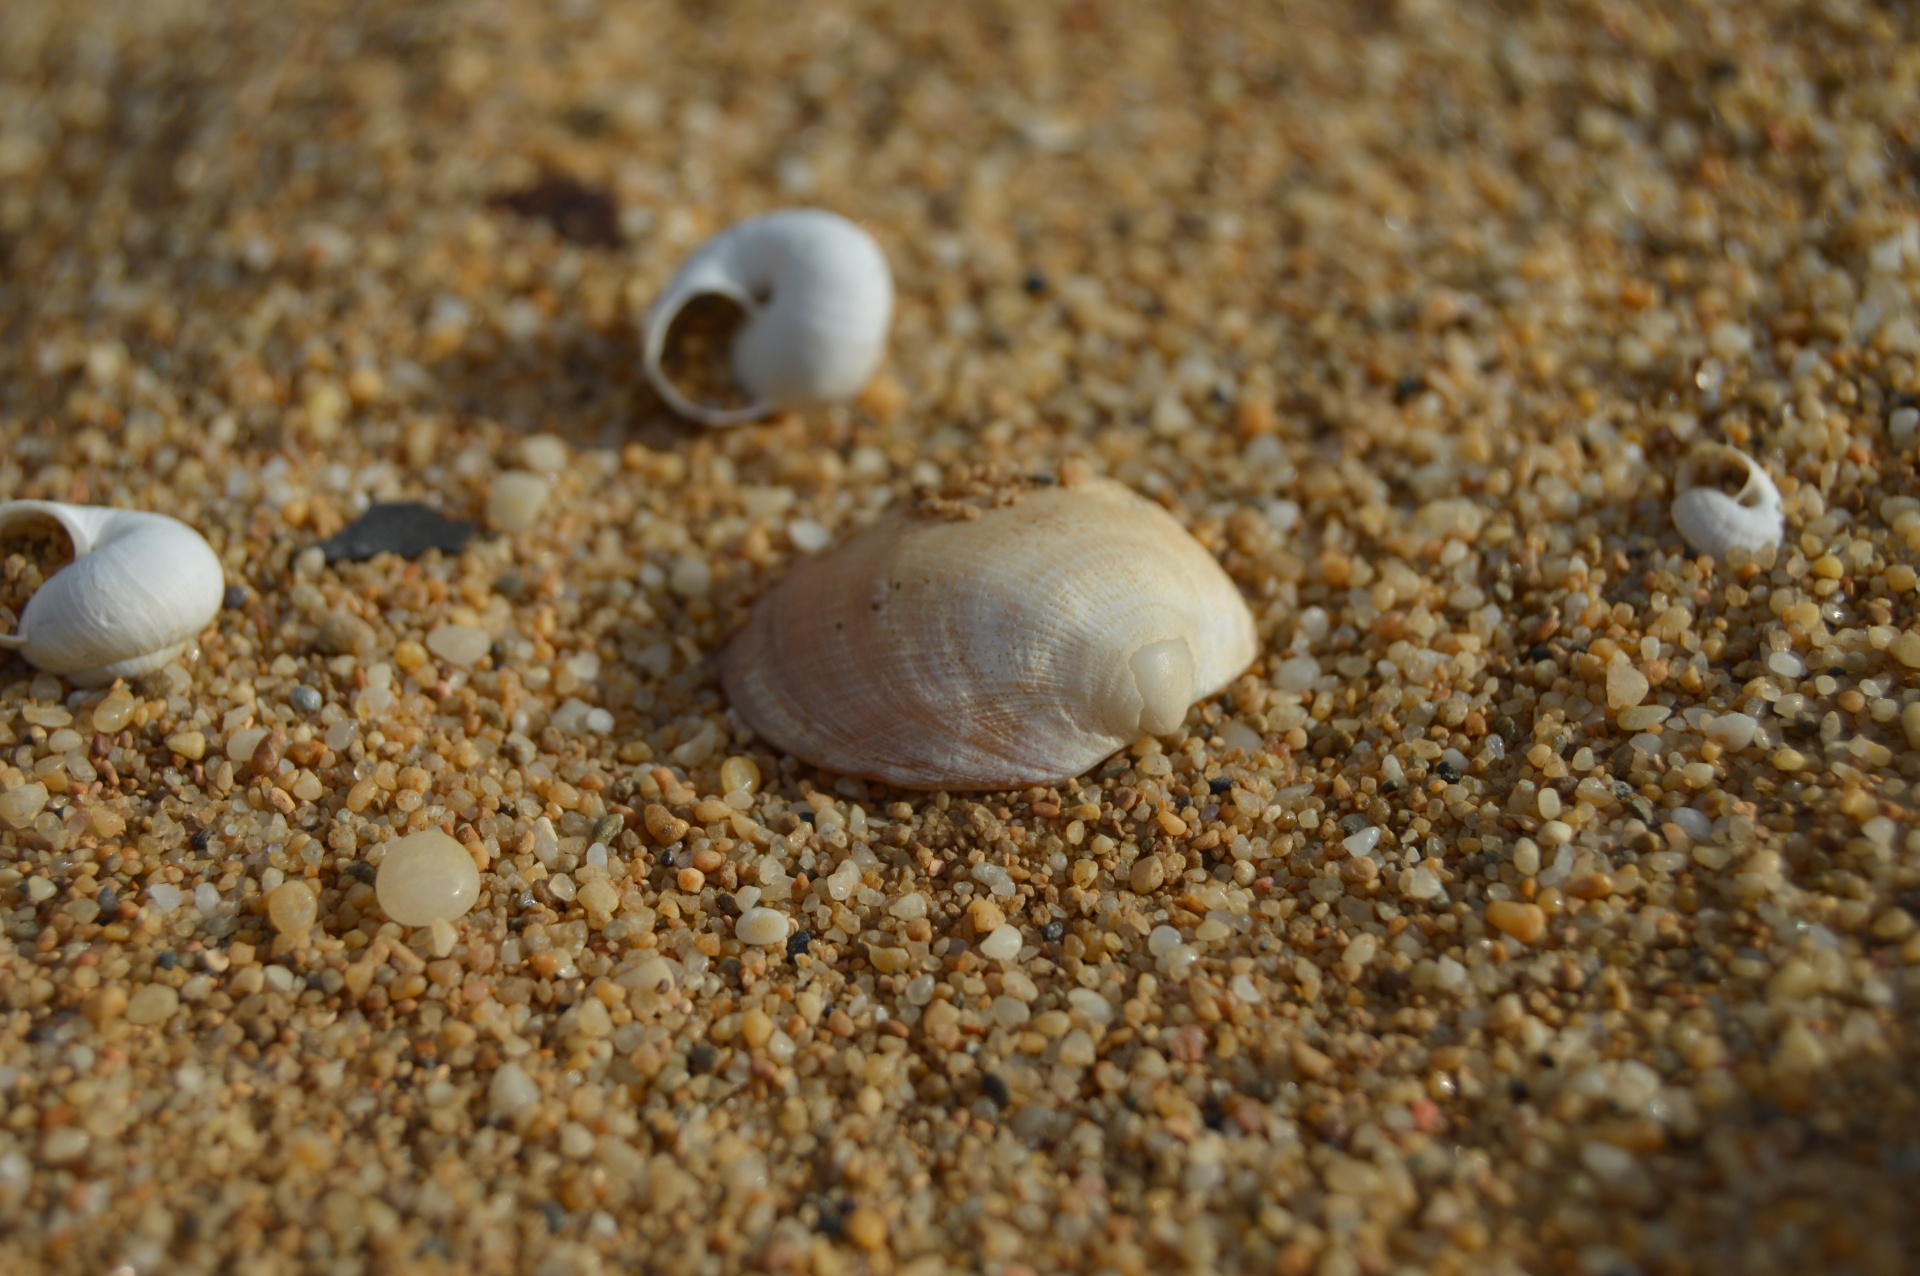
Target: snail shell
{"points": [[139, 589], [818, 299], [1713, 522], [1018, 645]]}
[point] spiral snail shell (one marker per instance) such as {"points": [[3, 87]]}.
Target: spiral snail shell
{"points": [[977, 645], [138, 590], [818, 298], [1712, 522]]}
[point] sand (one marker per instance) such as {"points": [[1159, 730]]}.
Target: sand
{"points": [[1541, 900]]}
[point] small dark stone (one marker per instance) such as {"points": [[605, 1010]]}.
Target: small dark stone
{"points": [[406, 528], [199, 841], [1351, 824], [1447, 771], [107, 899], [305, 699], [701, 1058], [996, 1089], [556, 1217], [235, 598], [1053, 932], [360, 870], [806, 817], [1034, 284], [833, 1222], [798, 942], [576, 212], [167, 961], [1220, 784], [1213, 1112], [1407, 387]]}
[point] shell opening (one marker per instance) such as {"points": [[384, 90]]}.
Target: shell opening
{"points": [[1163, 681], [33, 546], [697, 354]]}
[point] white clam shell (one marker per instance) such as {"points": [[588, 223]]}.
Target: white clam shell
{"points": [[1713, 522], [1017, 647], [140, 588], [818, 299]]}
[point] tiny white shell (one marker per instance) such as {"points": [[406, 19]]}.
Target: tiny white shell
{"points": [[1713, 522], [140, 588], [818, 299], [1017, 646]]}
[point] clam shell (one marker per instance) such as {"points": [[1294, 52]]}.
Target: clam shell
{"points": [[971, 648]]}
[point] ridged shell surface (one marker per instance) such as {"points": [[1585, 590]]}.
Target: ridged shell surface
{"points": [[1018, 646]]}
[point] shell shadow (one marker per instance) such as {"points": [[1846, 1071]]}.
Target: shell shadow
{"points": [[573, 380]]}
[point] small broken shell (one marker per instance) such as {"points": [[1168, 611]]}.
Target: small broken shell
{"points": [[1713, 522], [964, 646], [818, 299], [137, 590]]}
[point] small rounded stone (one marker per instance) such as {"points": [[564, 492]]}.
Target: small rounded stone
{"points": [[761, 927], [1002, 945], [304, 699], [739, 774], [20, 806], [514, 504], [1525, 922], [461, 645], [426, 877], [292, 908]]}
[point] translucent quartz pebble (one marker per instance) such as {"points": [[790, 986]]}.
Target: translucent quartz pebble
{"points": [[1002, 945], [292, 908], [761, 927], [461, 645], [426, 877]]}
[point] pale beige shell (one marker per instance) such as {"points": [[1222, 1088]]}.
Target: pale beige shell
{"points": [[1017, 647]]}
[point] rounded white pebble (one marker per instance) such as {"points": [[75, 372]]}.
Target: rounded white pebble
{"points": [[514, 504], [461, 645], [511, 1090], [426, 877], [1003, 944], [761, 927]]}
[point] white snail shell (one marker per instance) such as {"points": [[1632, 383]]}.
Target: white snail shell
{"points": [[818, 299], [140, 588], [1016, 647], [1713, 522]]}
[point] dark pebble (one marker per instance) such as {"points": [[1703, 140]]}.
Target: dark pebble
{"points": [[235, 598], [1053, 932], [406, 528], [701, 1058], [1220, 785], [798, 942], [994, 1088], [305, 699], [578, 213]]}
